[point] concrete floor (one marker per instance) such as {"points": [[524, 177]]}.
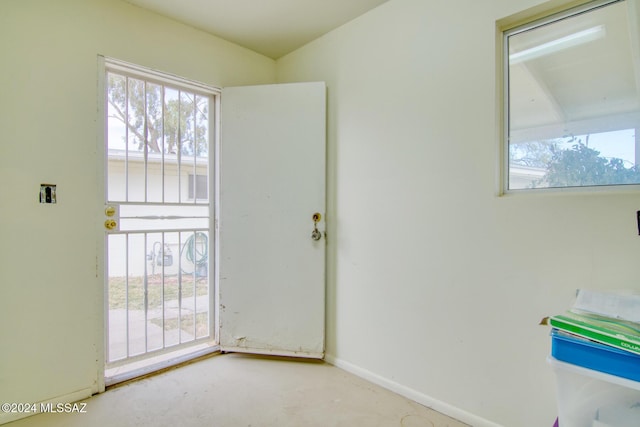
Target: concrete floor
{"points": [[236, 390]]}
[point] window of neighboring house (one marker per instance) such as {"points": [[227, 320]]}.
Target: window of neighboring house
{"points": [[572, 96], [200, 184]]}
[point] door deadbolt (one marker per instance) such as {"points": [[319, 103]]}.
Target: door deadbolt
{"points": [[109, 211], [316, 235]]}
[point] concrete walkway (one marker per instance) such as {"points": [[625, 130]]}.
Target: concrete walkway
{"points": [[151, 331]]}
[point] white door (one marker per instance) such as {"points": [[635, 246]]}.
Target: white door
{"points": [[272, 270]]}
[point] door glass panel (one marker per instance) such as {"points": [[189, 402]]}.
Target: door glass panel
{"points": [[135, 122], [158, 264], [135, 288], [171, 306], [117, 297], [171, 176], [201, 179], [194, 259], [187, 144], [154, 125], [116, 138]]}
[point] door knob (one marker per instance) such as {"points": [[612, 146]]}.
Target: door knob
{"points": [[110, 224]]}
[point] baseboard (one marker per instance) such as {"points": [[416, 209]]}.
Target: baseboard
{"points": [[7, 417], [409, 393]]}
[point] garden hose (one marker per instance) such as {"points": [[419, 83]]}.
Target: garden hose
{"points": [[196, 249]]}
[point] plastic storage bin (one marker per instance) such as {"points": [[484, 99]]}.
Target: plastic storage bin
{"points": [[588, 398], [592, 355]]}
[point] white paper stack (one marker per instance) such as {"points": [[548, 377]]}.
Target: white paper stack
{"points": [[621, 305]]}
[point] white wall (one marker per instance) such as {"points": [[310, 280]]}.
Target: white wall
{"points": [[436, 284], [50, 296]]}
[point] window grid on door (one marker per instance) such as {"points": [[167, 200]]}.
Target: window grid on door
{"points": [[158, 264]]}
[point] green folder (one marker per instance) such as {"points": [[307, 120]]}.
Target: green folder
{"points": [[615, 333]]}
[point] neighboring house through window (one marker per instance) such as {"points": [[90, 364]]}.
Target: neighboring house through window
{"points": [[572, 98]]}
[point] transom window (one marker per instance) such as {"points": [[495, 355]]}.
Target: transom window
{"points": [[572, 91]]}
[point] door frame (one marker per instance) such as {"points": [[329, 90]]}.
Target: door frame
{"points": [[101, 303]]}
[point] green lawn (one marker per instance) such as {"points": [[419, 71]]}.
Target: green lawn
{"points": [[118, 290]]}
